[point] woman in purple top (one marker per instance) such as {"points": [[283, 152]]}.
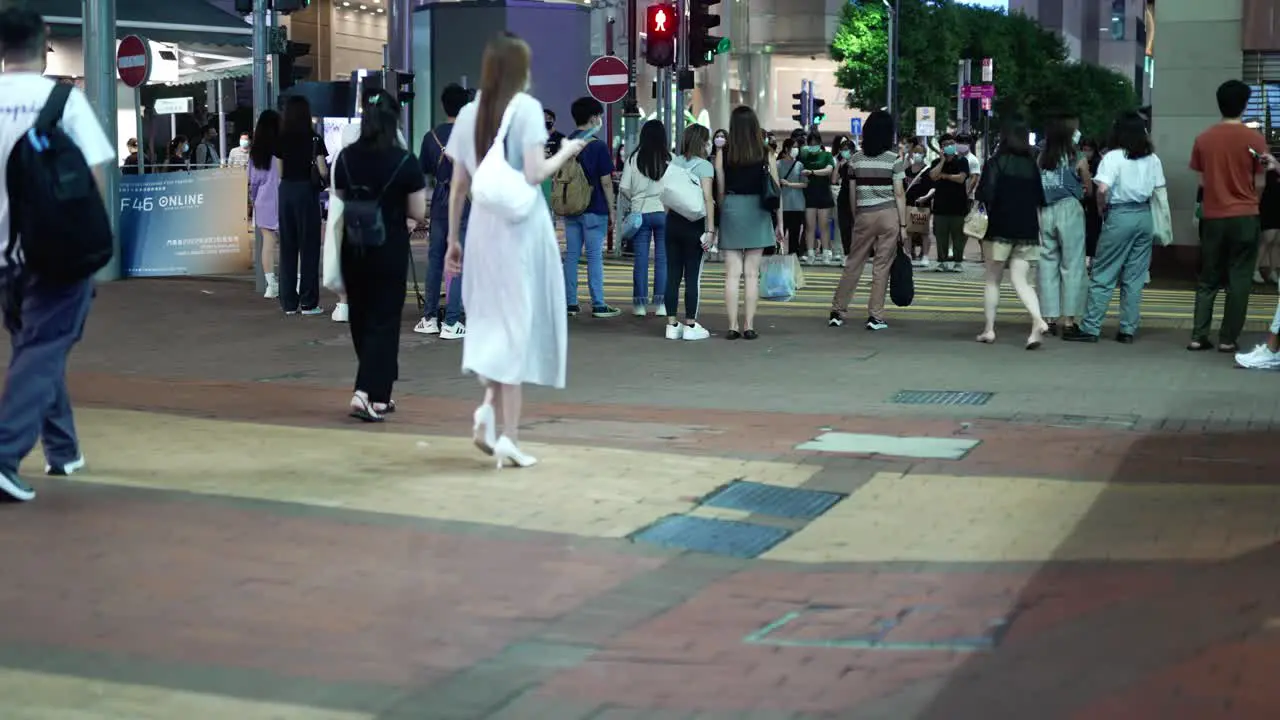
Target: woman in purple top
{"points": [[264, 193]]}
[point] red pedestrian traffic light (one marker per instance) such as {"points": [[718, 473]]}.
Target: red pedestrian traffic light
{"points": [[661, 24], [662, 21]]}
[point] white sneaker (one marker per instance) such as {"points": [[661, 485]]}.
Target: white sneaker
{"points": [[639, 310], [341, 313], [273, 287], [696, 332], [807, 259], [1258, 279], [1261, 358], [943, 267], [453, 332], [427, 326], [312, 312], [674, 332], [67, 469], [660, 310], [827, 257], [922, 263]]}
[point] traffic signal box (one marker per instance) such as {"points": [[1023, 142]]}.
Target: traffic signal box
{"points": [[801, 106], [703, 46], [816, 113], [661, 25]]}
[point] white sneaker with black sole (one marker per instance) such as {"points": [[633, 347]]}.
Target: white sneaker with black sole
{"points": [[65, 470], [15, 488]]}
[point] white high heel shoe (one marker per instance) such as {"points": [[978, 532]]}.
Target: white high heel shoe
{"points": [[505, 450], [482, 431]]}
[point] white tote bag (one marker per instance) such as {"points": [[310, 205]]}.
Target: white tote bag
{"points": [[1161, 220], [682, 193], [331, 267], [497, 187]]}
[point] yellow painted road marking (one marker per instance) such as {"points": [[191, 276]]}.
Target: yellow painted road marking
{"points": [[588, 491], [40, 696], [1002, 519]]}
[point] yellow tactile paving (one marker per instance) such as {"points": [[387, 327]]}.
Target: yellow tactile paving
{"points": [[597, 492], [1000, 519], [38, 696]]}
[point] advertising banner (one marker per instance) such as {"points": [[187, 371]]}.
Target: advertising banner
{"points": [[185, 223]]}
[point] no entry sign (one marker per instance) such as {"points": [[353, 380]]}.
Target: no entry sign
{"points": [[607, 79], [133, 61]]}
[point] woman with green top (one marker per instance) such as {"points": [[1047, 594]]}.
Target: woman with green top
{"points": [[793, 185], [818, 167], [746, 227]]}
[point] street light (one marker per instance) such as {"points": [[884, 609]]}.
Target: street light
{"points": [[892, 77]]}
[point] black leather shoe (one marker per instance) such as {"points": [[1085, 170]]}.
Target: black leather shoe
{"points": [[1075, 334], [1124, 338]]}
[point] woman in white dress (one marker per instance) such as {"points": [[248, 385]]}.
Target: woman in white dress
{"points": [[513, 288]]}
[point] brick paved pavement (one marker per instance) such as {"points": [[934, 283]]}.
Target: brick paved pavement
{"points": [[239, 550]]}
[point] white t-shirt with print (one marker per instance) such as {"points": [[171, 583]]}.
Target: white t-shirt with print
{"points": [[22, 96], [1129, 181]]}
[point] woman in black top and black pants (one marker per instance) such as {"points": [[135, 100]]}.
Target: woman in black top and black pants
{"points": [[377, 170], [301, 164]]}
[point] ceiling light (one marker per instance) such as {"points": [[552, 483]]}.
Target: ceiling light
{"points": [[364, 7], [346, 4], [380, 10]]}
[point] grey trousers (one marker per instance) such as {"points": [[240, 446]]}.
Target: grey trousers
{"points": [[1123, 259], [1062, 280]]}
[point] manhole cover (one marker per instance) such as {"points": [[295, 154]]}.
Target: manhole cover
{"points": [[716, 537], [772, 500], [941, 397]]}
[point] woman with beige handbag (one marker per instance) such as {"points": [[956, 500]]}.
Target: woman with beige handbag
{"points": [[919, 191]]}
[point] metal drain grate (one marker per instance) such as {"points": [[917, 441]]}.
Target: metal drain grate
{"points": [[716, 537], [941, 397], [763, 499]]}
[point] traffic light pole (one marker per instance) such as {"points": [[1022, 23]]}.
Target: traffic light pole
{"points": [[400, 51], [630, 104], [682, 64]]}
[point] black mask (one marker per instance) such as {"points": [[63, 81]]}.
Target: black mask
{"points": [[550, 124]]}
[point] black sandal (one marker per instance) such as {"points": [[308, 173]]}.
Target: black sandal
{"points": [[1199, 345], [1228, 348], [750, 335], [732, 335]]}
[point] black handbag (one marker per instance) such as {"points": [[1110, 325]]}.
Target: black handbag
{"points": [[902, 285], [770, 192]]}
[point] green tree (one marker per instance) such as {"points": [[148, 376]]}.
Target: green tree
{"points": [[1093, 93], [1032, 74]]}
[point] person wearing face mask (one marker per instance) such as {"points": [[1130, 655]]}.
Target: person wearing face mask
{"points": [[792, 183], [717, 143], [238, 156], [843, 149], [178, 150], [1064, 173], [950, 175], [207, 155], [586, 231], [554, 137], [965, 149], [819, 166], [919, 194]]}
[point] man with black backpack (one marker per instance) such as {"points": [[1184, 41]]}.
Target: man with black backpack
{"points": [[56, 235]]}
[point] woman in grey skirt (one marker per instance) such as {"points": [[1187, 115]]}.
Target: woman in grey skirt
{"points": [[746, 227]]}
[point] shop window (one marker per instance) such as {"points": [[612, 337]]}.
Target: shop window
{"points": [[1262, 73]]}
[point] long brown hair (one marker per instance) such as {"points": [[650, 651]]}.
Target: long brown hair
{"points": [[503, 73], [696, 138], [744, 145]]}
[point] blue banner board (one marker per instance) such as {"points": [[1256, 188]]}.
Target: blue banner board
{"points": [[185, 223]]}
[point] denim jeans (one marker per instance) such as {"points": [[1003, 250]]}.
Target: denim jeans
{"points": [[44, 321], [1124, 257], [585, 233], [653, 230], [435, 274]]}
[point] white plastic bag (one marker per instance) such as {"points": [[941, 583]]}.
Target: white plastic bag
{"points": [[331, 274]]}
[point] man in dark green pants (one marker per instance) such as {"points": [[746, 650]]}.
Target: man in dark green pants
{"points": [[1230, 158]]}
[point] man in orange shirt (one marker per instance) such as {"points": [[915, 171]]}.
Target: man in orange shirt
{"points": [[1230, 159]]}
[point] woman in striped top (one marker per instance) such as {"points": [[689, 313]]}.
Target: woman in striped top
{"points": [[878, 202]]}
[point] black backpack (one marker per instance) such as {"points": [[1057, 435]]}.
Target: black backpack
{"points": [[56, 212], [362, 224]]}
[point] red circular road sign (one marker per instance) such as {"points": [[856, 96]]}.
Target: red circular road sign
{"points": [[133, 61], [608, 78]]}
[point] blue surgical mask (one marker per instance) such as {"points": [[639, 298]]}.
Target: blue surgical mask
{"points": [[186, 148], [949, 150], [1075, 137], [845, 154]]}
